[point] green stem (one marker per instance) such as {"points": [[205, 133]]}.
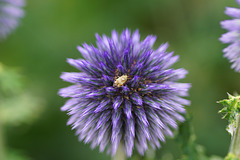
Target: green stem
{"points": [[120, 154], [235, 143], [2, 150]]}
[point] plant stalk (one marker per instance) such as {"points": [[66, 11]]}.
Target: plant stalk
{"points": [[2, 149], [120, 154], [235, 143]]}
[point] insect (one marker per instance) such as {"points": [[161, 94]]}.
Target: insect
{"points": [[120, 81]]}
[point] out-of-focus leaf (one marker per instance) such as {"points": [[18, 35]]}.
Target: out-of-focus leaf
{"points": [[17, 105], [16, 155], [10, 81], [150, 155], [187, 140], [23, 108], [231, 156]]}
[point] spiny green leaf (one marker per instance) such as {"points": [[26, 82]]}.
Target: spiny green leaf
{"points": [[231, 109]]}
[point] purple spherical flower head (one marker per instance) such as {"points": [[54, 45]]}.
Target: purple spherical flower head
{"points": [[125, 93], [10, 13], [232, 52]]}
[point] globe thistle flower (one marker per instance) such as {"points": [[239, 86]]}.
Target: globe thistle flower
{"points": [[232, 52], [125, 93], [10, 13]]}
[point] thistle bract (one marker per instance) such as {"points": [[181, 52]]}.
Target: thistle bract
{"points": [[125, 93], [10, 13], [232, 52]]}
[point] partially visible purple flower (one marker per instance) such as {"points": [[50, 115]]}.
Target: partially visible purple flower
{"points": [[232, 52], [126, 93], [10, 13]]}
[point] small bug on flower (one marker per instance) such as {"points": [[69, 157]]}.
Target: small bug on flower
{"points": [[120, 81]]}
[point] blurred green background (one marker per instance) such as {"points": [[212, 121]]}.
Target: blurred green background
{"points": [[51, 30]]}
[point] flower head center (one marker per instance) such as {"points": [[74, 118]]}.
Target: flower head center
{"points": [[120, 81]]}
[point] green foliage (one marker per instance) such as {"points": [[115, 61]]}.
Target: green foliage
{"points": [[231, 156], [10, 81], [150, 155], [231, 109], [18, 109], [17, 105], [16, 155], [187, 140]]}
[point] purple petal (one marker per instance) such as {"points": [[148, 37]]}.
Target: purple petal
{"points": [[142, 122], [116, 130], [154, 87], [12, 11], [232, 52], [152, 103], [72, 91], [134, 82], [229, 37], [84, 52], [104, 118], [96, 94], [111, 90], [233, 12], [231, 25], [129, 136], [104, 105], [136, 99], [19, 3], [70, 103], [117, 102], [84, 66], [238, 1], [128, 109], [125, 90]]}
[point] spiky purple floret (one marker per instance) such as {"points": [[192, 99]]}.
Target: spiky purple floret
{"points": [[10, 13], [142, 110], [232, 52]]}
